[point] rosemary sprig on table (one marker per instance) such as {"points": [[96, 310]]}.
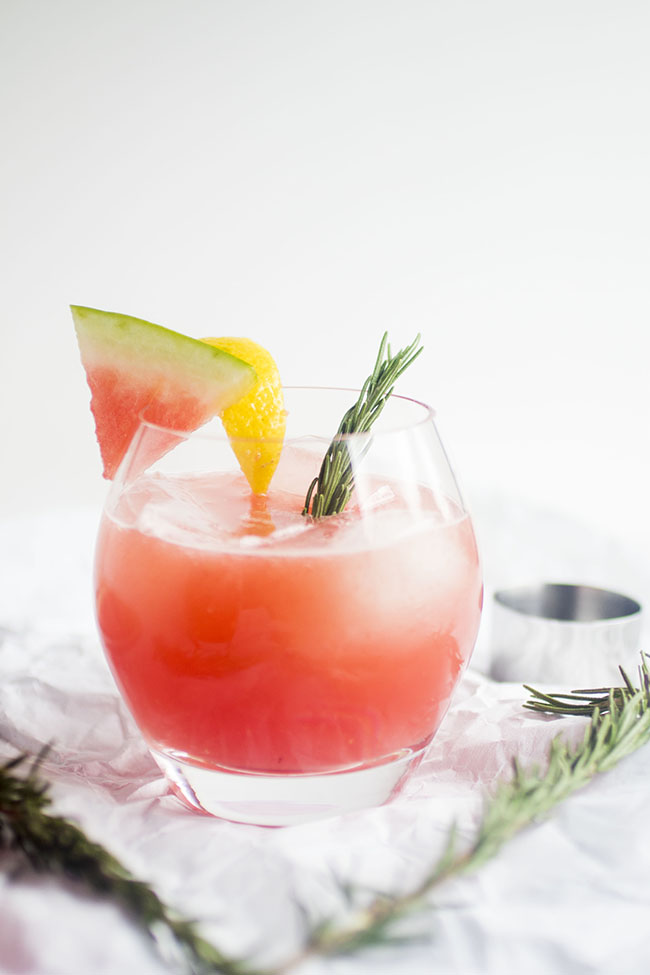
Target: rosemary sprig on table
{"points": [[55, 845], [620, 723], [330, 491]]}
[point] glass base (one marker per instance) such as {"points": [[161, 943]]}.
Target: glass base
{"points": [[285, 800]]}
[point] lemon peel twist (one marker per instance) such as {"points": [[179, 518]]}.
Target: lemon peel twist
{"points": [[256, 423]]}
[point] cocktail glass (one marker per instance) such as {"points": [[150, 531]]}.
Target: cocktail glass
{"points": [[284, 668]]}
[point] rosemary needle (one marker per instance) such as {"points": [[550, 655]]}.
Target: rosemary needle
{"points": [[330, 491]]}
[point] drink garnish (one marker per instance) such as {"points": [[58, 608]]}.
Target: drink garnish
{"points": [[330, 491], [255, 424], [136, 368]]}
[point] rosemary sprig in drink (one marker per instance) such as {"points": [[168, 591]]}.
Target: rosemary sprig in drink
{"points": [[330, 491]]}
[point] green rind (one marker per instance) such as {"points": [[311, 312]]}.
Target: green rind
{"points": [[114, 338]]}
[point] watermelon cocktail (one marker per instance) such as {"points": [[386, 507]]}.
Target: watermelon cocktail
{"points": [[280, 665]]}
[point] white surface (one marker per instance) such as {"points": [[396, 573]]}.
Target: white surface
{"points": [[570, 895], [313, 173]]}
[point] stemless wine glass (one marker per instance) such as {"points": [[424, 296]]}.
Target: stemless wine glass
{"points": [[283, 667]]}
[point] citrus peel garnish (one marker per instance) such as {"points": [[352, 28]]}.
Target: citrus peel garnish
{"points": [[255, 424]]}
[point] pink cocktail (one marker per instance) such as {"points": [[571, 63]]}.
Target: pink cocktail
{"points": [[282, 667]]}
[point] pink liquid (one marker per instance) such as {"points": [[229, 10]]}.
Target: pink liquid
{"points": [[277, 644]]}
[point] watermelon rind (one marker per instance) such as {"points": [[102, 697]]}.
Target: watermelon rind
{"points": [[134, 366]]}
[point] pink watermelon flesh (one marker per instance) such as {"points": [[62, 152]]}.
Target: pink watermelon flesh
{"points": [[137, 369]]}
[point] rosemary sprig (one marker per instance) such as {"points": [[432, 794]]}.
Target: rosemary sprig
{"points": [[620, 723], [330, 491], [55, 845]]}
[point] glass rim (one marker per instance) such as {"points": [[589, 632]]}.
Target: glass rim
{"points": [[427, 414]]}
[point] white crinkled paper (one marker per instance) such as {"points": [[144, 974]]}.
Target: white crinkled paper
{"points": [[569, 895]]}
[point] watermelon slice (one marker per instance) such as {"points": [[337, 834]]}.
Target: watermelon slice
{"points": [[135, 367]]}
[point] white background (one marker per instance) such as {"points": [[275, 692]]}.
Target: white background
{"points": [[310, 174]]}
